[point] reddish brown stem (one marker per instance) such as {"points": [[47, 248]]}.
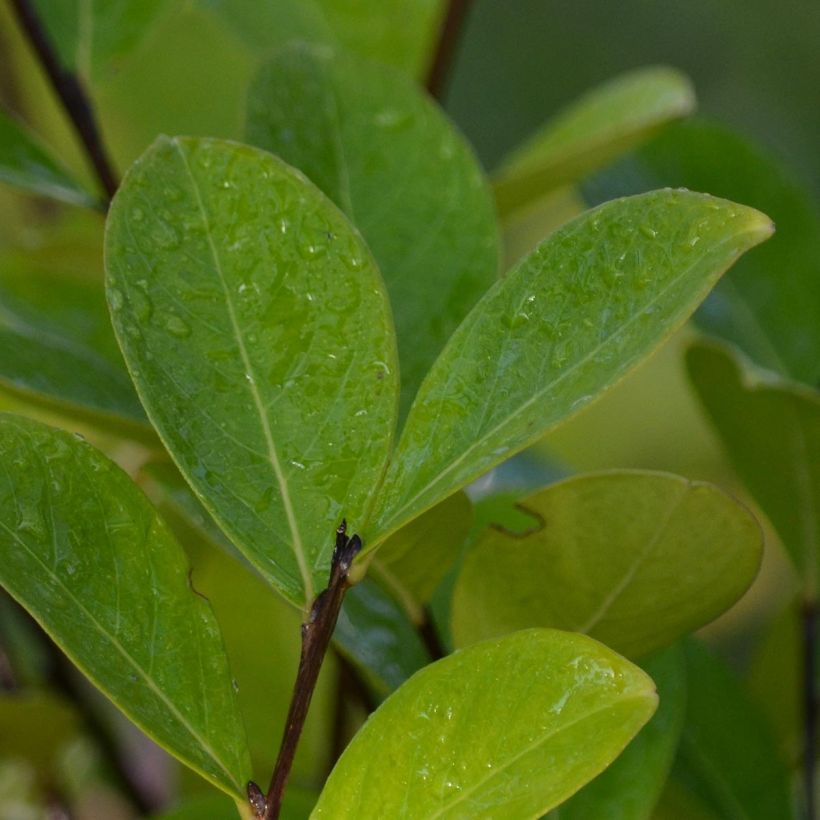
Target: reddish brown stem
{"points": [[446, 48]]}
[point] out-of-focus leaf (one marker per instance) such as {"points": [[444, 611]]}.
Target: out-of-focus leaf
{"points": [[386, 155], [414, 560], [770, 304], [257, 330], [400, 33], [606, 122], [634, 559], [57, 347], [631, 786], [27, 165], [297, 805], [591, 302], [85, 553], [374, 633], [507, 728], [727, 756], [771, 431], [91, 36]]}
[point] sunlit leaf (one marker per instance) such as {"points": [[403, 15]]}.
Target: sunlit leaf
{"points": [[770, 303], [591, 302], [85, 553], [506, 728], [771, 431], [387, 156], [634, 559], [258, 333], [26, 164], [604, 123], [631, 786]]}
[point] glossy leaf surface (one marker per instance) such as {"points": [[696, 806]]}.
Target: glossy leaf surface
{"points": [[771, 431], [92, 35], [387, 156], [414, 560], [634, 559], [85, 553], [27, 165], [727, 755], [258, 333], [770, 303], [591, 302], [57, 346], [605, 122], [631, 786], [507, 728]]}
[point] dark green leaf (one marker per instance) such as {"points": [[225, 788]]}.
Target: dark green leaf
{"points": [[770, 304], [606, 122], [386, 155], [771, 431], [256, 328], [634, 559], [591, 302], [26, 164], [506, 728], [85, 553]]}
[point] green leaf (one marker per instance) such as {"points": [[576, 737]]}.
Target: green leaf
{"points": [[770, 303], [606, 122], [386, 155], [590, 303], [771, 431], [412, 562], [631, 786], [635, 559], [371, 28], [506, 728], [258, 333], [375, 634], [727, 755], [92, 36], [28, 165], [85, 553], [57, 347]]}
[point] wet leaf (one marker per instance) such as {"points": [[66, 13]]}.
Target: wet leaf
{"points": [[258, 333], [26, 164], [388, 157], [769, 305], [85, 553], [631, 786], [771, 431], [507, 728], [635, 559], [606, 122], [591, 302]]}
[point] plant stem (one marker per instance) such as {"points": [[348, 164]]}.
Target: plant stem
{"points": [[448, 40], [317, 631], [71, 94], [429, 635], [809, 621]]}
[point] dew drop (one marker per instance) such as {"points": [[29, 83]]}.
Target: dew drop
{"points": [[137, 214], [649, 233], [177, 326], [115, 299]]}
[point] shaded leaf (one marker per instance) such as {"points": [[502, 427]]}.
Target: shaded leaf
{"points": [[257, 331], [591, 302], [413, 561], [386, 155], [630, 787], [727, 756], [91, 36], [606, 122], [771, 431], [770, 304], [26, 164], [375, 634], [635, 559], [85, 553], [505, 728]]}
